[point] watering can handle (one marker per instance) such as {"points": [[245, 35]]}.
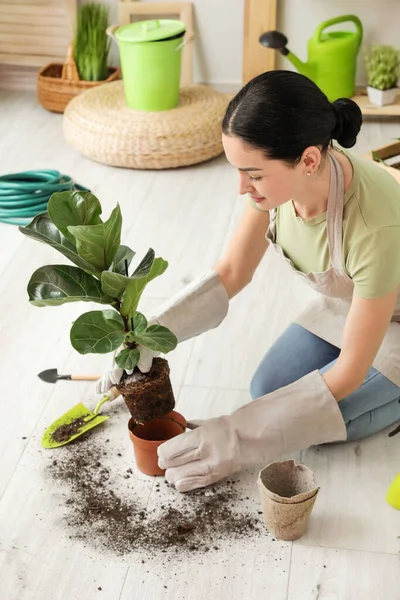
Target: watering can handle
{"points": [[335, 21], [110, 31]]}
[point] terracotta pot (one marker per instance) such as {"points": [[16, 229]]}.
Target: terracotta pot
{"points": [[148, 437]]}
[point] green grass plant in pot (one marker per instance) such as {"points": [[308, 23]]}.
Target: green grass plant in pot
{"points": [[91, 43], [382, 64], [86, 65], [100, 273]]}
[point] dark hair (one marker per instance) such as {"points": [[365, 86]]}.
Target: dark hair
{"points": [[283, 112]]}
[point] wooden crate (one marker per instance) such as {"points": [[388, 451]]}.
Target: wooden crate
{"points": [[387, 157]]}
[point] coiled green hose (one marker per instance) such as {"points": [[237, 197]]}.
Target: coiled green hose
{"points": [[24, 195]]}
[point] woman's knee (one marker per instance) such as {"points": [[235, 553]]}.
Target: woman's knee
{"points": [[265, 381], [374, 421], [294, 354], [257, 386]]}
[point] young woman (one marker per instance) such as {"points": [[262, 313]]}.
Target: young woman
{"points": [[334, 374]]}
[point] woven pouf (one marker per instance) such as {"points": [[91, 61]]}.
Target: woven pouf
{"points": [[100, 126]]}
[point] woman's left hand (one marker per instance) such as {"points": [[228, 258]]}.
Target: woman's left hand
{"points": [[364, 331], [297, 416], [201, 457]]}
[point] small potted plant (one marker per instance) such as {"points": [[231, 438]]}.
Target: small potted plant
{"points": [[382, 64], [86, 65], [100, 273]]}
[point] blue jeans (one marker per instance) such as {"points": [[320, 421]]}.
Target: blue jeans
{"points": [[372, 407]]}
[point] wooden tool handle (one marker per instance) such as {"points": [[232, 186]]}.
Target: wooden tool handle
{"points": [[85, 377], [114, 393]]}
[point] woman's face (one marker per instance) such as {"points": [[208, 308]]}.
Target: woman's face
{"points": [[269, 183]]}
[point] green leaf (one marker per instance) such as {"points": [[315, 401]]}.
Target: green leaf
{"points": [[98, 331], [157, 338], [140, 323], [73, 208], [98, 244], [57, 284], [113, 284], [43, 230], [123, 253], [135, 287], [145, 264], [128, 358]]}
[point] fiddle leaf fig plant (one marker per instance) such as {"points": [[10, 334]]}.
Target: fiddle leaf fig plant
{"points": [[73, 226]]}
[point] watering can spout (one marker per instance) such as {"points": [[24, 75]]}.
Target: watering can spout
{"points": [[278, 41], [302, 67]]}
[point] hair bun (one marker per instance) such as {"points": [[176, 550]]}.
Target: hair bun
{"points": [[348, 122]]}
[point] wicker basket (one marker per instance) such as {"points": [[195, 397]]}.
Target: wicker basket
{"points": [[57, 84]]}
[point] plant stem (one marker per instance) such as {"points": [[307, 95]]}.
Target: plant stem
{"points": [[127, 274]]}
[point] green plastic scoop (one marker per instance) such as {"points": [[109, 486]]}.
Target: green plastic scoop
{"points": [[75, 422]]}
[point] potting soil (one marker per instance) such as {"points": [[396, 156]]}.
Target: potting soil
{"points": [[101, 516], [65, 432], [148, 396]]}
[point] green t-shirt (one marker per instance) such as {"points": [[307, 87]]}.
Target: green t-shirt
{"points": [[371, 232]]}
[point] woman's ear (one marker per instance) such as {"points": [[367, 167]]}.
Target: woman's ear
{"points": [[311, 160]]}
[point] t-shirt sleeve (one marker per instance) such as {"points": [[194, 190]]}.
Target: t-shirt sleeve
{"points": [[373, 263]]}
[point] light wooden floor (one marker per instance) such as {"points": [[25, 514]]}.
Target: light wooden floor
{"points": [[351, 549]]}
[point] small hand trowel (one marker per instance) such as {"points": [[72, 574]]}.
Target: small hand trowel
{"points": [[75, 422], [52, 376]]}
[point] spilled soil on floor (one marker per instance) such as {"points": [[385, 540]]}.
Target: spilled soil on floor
{"points": [[100, 513]]}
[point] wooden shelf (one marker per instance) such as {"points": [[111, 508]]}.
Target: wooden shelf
{"points": [[371, 110]]}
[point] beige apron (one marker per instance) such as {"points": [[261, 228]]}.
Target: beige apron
{"points": [[326, 316]]}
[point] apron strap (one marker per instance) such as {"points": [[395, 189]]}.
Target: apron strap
{"points": [[334, 215]]}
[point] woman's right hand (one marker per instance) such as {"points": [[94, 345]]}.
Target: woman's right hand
{"points": [[198, 307], [113, 375]]}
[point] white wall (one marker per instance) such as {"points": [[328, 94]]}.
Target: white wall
{"points": [[219, 30]]}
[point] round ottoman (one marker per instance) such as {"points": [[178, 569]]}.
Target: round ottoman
{"points": [[100, 126]]}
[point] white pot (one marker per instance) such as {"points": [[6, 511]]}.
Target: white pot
{"points": [[382, 97]]}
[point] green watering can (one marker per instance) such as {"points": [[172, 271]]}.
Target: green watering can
{"points": [[332, 57]]}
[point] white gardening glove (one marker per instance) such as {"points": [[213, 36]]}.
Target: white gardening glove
{"points": [[295, 417], [201, 305], [198, 307], [113, 375]]}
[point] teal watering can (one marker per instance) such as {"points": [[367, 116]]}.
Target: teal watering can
{"points": [[332, 56]]}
